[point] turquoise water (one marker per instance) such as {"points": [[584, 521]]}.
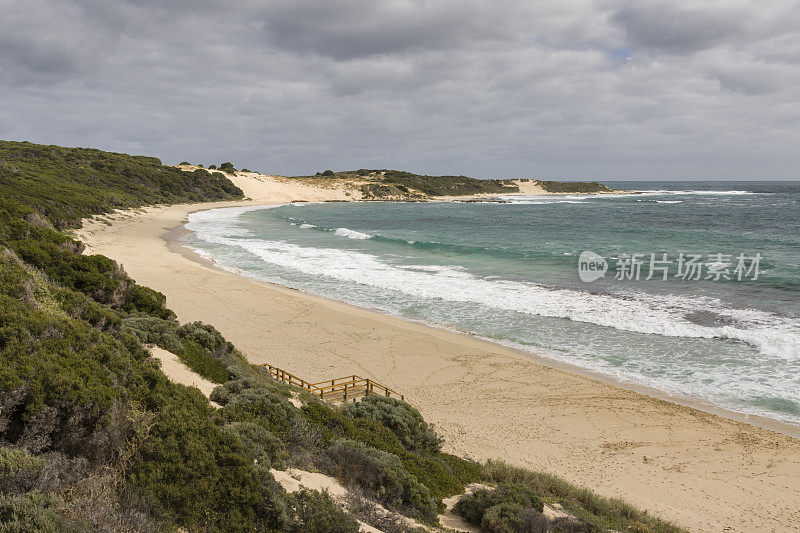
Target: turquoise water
{"points": [[509, 272]]}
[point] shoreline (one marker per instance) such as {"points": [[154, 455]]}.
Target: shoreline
{"points": [[173, 236], [698, 469]]}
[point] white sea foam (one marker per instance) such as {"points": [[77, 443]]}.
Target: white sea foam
{"points": [[351, 234], [631, 311], [306, 226]]}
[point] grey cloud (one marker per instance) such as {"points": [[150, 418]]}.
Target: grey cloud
{"points": [[483, 88], [670, 28], [345, 29]]}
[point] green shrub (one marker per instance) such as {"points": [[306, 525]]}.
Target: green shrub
{"points": [[316, 512], [196, 358], [382, 476], [33, 512], [216, 347], [405, 421], [593, 510], [474, 506], [443, 474], [152, 330], [327, 173], [196, 474], [503, 518], [263, 407], [19, 470], [68, 184], [266, 449], [227, 167]]}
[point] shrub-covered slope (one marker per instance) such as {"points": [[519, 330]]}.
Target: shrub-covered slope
{"points": [[399, 185], [94, 437], [68, 184]]}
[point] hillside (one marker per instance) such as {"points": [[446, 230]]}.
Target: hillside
{"points": [[400, 185], [95, 437], [68, 184]]}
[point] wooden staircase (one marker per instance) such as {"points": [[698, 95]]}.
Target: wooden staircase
{"points": [[349, 387]]}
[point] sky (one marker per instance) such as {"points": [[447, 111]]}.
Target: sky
{"points": [[565, 89]]}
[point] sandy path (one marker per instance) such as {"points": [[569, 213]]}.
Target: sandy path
{"points": [[698, 469]]}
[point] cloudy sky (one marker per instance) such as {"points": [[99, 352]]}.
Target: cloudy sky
{"points": [[569, 89]]}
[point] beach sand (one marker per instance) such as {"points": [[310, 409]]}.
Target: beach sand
{"points": [[703, 471]]}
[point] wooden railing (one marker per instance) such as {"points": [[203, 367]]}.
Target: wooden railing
{"points": [[332, 389]]}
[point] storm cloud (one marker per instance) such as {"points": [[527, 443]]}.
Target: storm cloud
{"points": [[581, 89]]}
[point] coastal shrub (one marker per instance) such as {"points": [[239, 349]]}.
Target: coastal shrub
{"points": [[153, 330], [316, 512], [96, 276], [263, 407], [184, 163], [198, 359], [591, 509], [572, 186], [19, 470], [227, 167], [474, 506], [68, 184], [216, 348], [503, 518], [382, 476], [404, 420], [327, 173], [212, 167], [195, 474], [444, 474], [33, 512], [266, 449]]}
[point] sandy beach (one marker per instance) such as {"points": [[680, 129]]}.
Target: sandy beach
{"points": [[698, 469]]}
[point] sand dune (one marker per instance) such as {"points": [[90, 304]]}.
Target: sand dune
{"points": [[704, 471]]}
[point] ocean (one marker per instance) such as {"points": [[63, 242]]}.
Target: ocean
{"points": [[717, 322]]}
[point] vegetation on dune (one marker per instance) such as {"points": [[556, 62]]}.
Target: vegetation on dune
{"points": [[576, 187], [94, 437], [68, 184], [399, 185]]}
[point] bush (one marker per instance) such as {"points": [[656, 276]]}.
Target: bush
{"points": [[19, 470], [227, 167], [503, 518], [382, 476], [444, 474], [266, 449], [328, 173], [263, 407], [196, 358], [33, 512], [405, 421], [196, 474], [68, 184], [217, 348], [474, 506], [152, 330], [593, 511], [316, 512]]}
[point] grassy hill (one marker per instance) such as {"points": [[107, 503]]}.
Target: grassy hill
{"points": [[68, 184], [94, 437], [397, 184]]}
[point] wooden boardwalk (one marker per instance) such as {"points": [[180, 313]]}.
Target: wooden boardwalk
{"points": [[345, 388]]}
